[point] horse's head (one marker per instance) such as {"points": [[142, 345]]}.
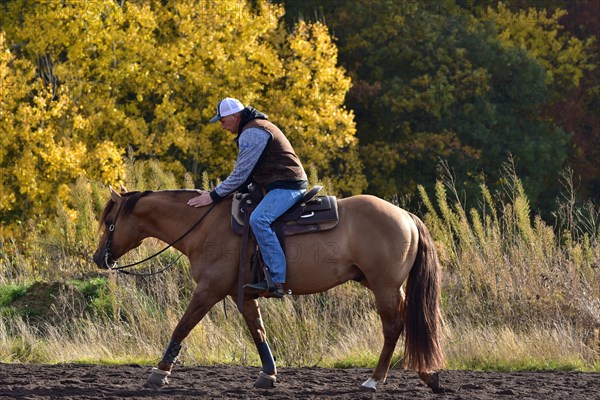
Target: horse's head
{"points": [[120, 231]]}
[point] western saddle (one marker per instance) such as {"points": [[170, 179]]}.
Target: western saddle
{"points": [[311, 213]]}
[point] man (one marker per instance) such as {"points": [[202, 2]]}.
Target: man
{"points": [[266, 157]]}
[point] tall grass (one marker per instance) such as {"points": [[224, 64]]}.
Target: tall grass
{"points": [[517, 293], [504, 266]]}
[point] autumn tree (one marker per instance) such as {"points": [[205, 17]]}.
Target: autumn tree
{"points": [[83, 82], [463, 81], [41, 151], [576, 109]]}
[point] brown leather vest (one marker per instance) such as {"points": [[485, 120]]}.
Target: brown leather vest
{"points": [[279, 162]]}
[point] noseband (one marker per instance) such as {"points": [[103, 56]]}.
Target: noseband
{"points": [[111, 264]]}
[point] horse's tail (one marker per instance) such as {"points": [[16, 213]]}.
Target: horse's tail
{"points": [[422, 317]]}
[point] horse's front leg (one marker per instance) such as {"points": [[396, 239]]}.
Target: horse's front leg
{"points": [[203, 299], [251, 313]]}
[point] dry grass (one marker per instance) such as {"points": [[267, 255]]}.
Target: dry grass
{"points": [[539, 348], [517, 293]]}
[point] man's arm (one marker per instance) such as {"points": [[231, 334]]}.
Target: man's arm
{"points": [[252, 144]]}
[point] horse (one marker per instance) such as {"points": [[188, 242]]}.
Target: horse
{"points": [[375, 243]]}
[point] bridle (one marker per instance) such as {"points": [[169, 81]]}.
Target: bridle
{"points": [[111, 264]]}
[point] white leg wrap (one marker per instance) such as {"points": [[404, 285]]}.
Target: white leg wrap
{"points": [[265, 381], [157, 379], [370, 385]]}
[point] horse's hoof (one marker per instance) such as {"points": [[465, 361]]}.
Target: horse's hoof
{"points": [[370, 385], [440, 389], [157, 379], [151, 385], [265, 381], [435, 384]]}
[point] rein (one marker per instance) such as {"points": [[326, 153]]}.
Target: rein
{"points": [[122, 268]]}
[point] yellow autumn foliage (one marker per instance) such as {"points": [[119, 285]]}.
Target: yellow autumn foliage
{"points": [[83, 82], [564, 57]]}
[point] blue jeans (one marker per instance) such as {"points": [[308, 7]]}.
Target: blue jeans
{"points": [[275, 203]]}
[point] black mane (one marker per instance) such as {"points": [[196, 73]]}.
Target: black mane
{"points": [[131, 199]]}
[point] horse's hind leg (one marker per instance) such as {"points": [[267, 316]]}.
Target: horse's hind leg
{"points": [[251, 312], [390, 302], [203, 299]]}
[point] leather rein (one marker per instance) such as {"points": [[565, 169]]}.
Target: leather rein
{"points": [[112, 266]]}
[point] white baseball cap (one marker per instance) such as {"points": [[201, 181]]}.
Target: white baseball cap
{"points": [[226, 107]]}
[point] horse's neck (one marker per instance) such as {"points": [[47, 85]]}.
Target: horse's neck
{"points": [[170, 218]]}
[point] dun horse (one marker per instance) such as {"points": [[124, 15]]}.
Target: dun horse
{"points": [[374, 243]]}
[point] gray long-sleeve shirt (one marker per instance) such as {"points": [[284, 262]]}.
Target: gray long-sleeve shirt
{"points": [[252, 143]]}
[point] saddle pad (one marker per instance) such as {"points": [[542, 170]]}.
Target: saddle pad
{"points": [[320, 213]]}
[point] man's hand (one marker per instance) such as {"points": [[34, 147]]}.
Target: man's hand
{"points": [[199, 201]]}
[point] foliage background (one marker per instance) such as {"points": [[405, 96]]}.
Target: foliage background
{"points": [[83, 82], [470, 82], [416, 82], [373, 95]]}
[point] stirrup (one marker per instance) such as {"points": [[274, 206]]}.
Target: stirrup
{"points": [[258, 287], [262, 289]]}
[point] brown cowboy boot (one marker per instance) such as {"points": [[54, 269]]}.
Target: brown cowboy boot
{"points": [[279, 291]]}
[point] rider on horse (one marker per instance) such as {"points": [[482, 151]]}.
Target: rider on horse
{"points": [[265, 156]]}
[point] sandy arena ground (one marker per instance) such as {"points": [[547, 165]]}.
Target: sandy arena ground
{"points": [[70, 381]]}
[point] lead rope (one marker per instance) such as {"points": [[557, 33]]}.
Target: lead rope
{"points": [[147, 273], [121, 268]]}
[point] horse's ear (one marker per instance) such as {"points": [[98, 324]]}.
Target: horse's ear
{"points": [[123, 188], [116, 197]]}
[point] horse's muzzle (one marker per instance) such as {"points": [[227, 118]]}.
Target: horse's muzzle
{"points": [[103, 259]]}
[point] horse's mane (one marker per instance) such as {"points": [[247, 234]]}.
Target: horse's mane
{"points": [[131, 199]]}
